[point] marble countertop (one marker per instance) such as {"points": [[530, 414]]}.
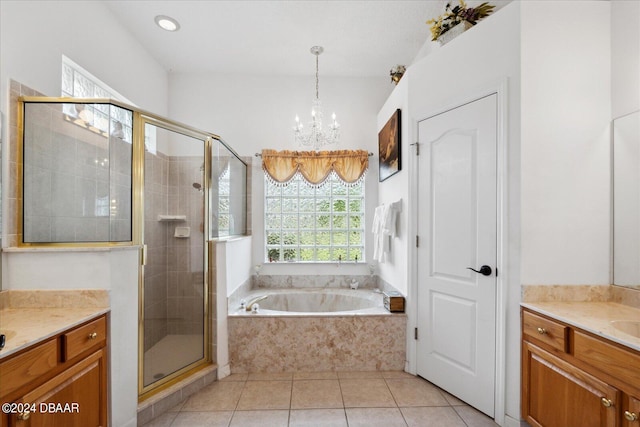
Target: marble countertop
{"points": [[26, 326], [594, 317], [28, 317]]}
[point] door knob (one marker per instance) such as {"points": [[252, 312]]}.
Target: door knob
{"points": [[485, 270]]}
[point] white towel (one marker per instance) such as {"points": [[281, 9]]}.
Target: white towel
{"points": [[390, 220], [377, 230], [384, 228]]}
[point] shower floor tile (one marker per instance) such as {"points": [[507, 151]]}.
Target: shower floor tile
{"points": [[331, 399], [162, 359]]}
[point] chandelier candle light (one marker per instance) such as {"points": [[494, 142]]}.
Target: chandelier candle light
{"points": [[317, 136]]}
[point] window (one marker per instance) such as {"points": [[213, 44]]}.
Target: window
{"points": [[79, 83], [314, 224], [224, 203]]}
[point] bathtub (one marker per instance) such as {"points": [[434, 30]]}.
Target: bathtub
{"points": [[312, 301], [315, 329]]}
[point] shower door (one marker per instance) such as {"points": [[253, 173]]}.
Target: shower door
{"points": [[174, 291]]}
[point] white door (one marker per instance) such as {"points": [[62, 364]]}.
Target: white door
{"points": [[457, 230]]}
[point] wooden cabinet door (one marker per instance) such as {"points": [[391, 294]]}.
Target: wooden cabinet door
{"points": [[75, 398], [557, 394], [631, 413]]}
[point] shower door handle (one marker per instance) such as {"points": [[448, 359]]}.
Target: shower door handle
{"points": [[143, 255]]}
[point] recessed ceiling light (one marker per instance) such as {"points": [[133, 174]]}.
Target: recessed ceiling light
{"points": [[167, 23]]}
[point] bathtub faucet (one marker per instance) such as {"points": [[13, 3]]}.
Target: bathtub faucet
{"points": [[251, 303], [354, 284]]}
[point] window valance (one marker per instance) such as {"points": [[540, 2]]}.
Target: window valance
{"points": [[315, 166]]}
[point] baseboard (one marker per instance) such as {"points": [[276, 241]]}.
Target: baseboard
{"points": [[224, 371], [512, 422], [131, 423]]}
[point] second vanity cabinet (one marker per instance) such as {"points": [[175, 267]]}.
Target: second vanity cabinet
{"points": [[59, 382], [571, 378]]}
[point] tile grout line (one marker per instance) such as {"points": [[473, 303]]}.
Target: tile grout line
{"points": [[395, 401], [344, 407], [290, 400], [233, 413], [459, 416]]}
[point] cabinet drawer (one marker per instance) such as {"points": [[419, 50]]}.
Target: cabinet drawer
{"points": [[545, 330], [615, 361], [83, 338], [28, 366]]}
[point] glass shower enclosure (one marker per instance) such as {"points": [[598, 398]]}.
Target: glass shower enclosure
{"points": [[97, 172], [174, 289], [194, 190]]}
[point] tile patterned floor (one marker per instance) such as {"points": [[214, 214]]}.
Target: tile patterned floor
{"points": [[318, 399]]}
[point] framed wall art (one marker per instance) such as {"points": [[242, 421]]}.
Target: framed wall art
{"points": [[389, 147]]}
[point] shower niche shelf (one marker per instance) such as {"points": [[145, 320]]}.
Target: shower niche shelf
{"points": [[172, 218]]}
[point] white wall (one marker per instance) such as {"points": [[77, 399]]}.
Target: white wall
{"points": [[566, 113], [484, 57], [625, 57], [35, 35], [255, 112], [396, 270]]}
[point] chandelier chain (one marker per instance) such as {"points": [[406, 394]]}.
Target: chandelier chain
{"points": [[317, 134], [317, 78]]}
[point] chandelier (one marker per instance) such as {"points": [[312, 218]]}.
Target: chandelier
{"points": [[316, 136]]}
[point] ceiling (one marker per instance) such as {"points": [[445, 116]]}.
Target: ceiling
{"points": [[360, 38]]}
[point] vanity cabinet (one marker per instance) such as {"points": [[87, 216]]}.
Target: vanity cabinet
{"points": [[59, 382], [571, 378]]}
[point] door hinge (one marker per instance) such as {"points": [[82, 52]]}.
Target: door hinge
{"points": [[415, 333], [417, 241]]}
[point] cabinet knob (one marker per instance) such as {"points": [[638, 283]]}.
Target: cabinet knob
{"points": [[542, 331], [630, 416], [22, 416], [607, 403], [93, 335]]}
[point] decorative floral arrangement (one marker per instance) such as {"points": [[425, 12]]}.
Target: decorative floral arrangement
{"points": [[457, 15], [397, 72]]}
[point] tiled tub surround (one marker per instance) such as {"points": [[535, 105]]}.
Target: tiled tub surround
{"points": [[361, 339], [317, 343], [335, 281]]}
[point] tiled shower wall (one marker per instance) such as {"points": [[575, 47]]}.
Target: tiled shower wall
{"points": [[16, 90], [78, 182], [185, 260], [155, 288], [174, 274]]}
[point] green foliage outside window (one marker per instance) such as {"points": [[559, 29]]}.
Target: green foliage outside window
{"points": [[307, 224]]}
